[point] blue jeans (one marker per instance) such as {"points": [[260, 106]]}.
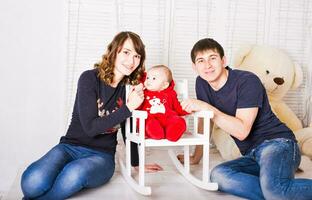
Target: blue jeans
{"points": [[65, 170], [266, 172]]}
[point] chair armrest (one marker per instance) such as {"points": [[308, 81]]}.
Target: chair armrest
{"points": [[138, 126], [139, 114], [203, 114], [206, 115]]}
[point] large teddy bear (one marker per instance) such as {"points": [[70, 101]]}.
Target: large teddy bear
{"points": [[278, 75]]}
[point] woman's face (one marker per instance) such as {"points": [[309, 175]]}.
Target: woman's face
{"points": [[127, 59]]}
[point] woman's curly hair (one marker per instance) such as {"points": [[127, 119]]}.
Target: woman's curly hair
{"points": [[106, 66]]}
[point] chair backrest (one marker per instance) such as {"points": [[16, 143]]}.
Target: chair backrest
{"points": [[181, 88]]}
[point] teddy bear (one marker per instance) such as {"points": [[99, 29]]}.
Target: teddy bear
{"points": [[279, 74]]}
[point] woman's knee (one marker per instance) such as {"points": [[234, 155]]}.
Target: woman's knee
{"points": [[86, 174], [33, 182], [72, 175], [101, 172]]}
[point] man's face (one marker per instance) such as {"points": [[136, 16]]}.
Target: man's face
{"points": [[209, 66]]}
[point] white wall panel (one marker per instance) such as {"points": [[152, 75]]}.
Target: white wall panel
{"points": [[170, 28]]}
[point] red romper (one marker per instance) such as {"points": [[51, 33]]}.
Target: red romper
{"points": [[164, 114]]}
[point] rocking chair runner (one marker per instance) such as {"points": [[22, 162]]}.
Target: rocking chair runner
{"points": [[137, 135]]}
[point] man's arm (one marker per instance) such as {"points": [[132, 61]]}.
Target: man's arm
{"points": [[238, 126]]}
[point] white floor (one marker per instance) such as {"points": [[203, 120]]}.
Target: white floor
{"points": [[167, 184]]}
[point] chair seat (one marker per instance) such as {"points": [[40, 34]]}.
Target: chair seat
{"points": [[186, 139]]}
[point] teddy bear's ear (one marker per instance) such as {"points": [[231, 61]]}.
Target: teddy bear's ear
{"points": [[241, 54], [298, 76]]}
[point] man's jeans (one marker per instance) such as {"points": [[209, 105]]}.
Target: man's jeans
{"points": [[65, 170], [266, 172]]}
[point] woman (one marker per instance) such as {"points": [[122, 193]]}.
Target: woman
{"points": [[84, 158]]}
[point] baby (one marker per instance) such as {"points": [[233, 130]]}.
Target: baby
{"points": [[162, 105]]}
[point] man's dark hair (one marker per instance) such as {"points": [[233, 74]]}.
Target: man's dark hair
{"points": [[204, 45]]}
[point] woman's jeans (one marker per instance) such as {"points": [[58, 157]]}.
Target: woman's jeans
{"points": [[65, 170], [266, 172]]}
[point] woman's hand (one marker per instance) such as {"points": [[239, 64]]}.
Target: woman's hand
{"points": [[136, 97], [150, 168]]}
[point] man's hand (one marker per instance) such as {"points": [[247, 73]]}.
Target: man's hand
{"points": [[193, 105], [149, 168]]}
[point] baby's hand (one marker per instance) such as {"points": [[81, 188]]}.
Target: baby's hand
{"points": [[138, 87]]}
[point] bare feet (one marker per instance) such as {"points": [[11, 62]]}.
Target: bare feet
{"points": [[193, 159], [149, 168]]}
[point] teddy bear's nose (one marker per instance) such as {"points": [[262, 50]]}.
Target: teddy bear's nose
{"points": [[278, 80]]}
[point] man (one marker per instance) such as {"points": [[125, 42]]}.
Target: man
{"points": [[241, 108]]}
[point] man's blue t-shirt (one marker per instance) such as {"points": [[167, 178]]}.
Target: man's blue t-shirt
{"points": [[244, 90]]}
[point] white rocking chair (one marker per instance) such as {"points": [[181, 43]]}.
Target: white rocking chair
{"points": [[137, 135]]}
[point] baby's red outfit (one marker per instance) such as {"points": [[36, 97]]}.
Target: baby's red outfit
{"points": [[164, 111]]}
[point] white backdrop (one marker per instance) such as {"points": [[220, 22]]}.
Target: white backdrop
{"points": [[45, 44], [32, 81], [169, 28]]}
